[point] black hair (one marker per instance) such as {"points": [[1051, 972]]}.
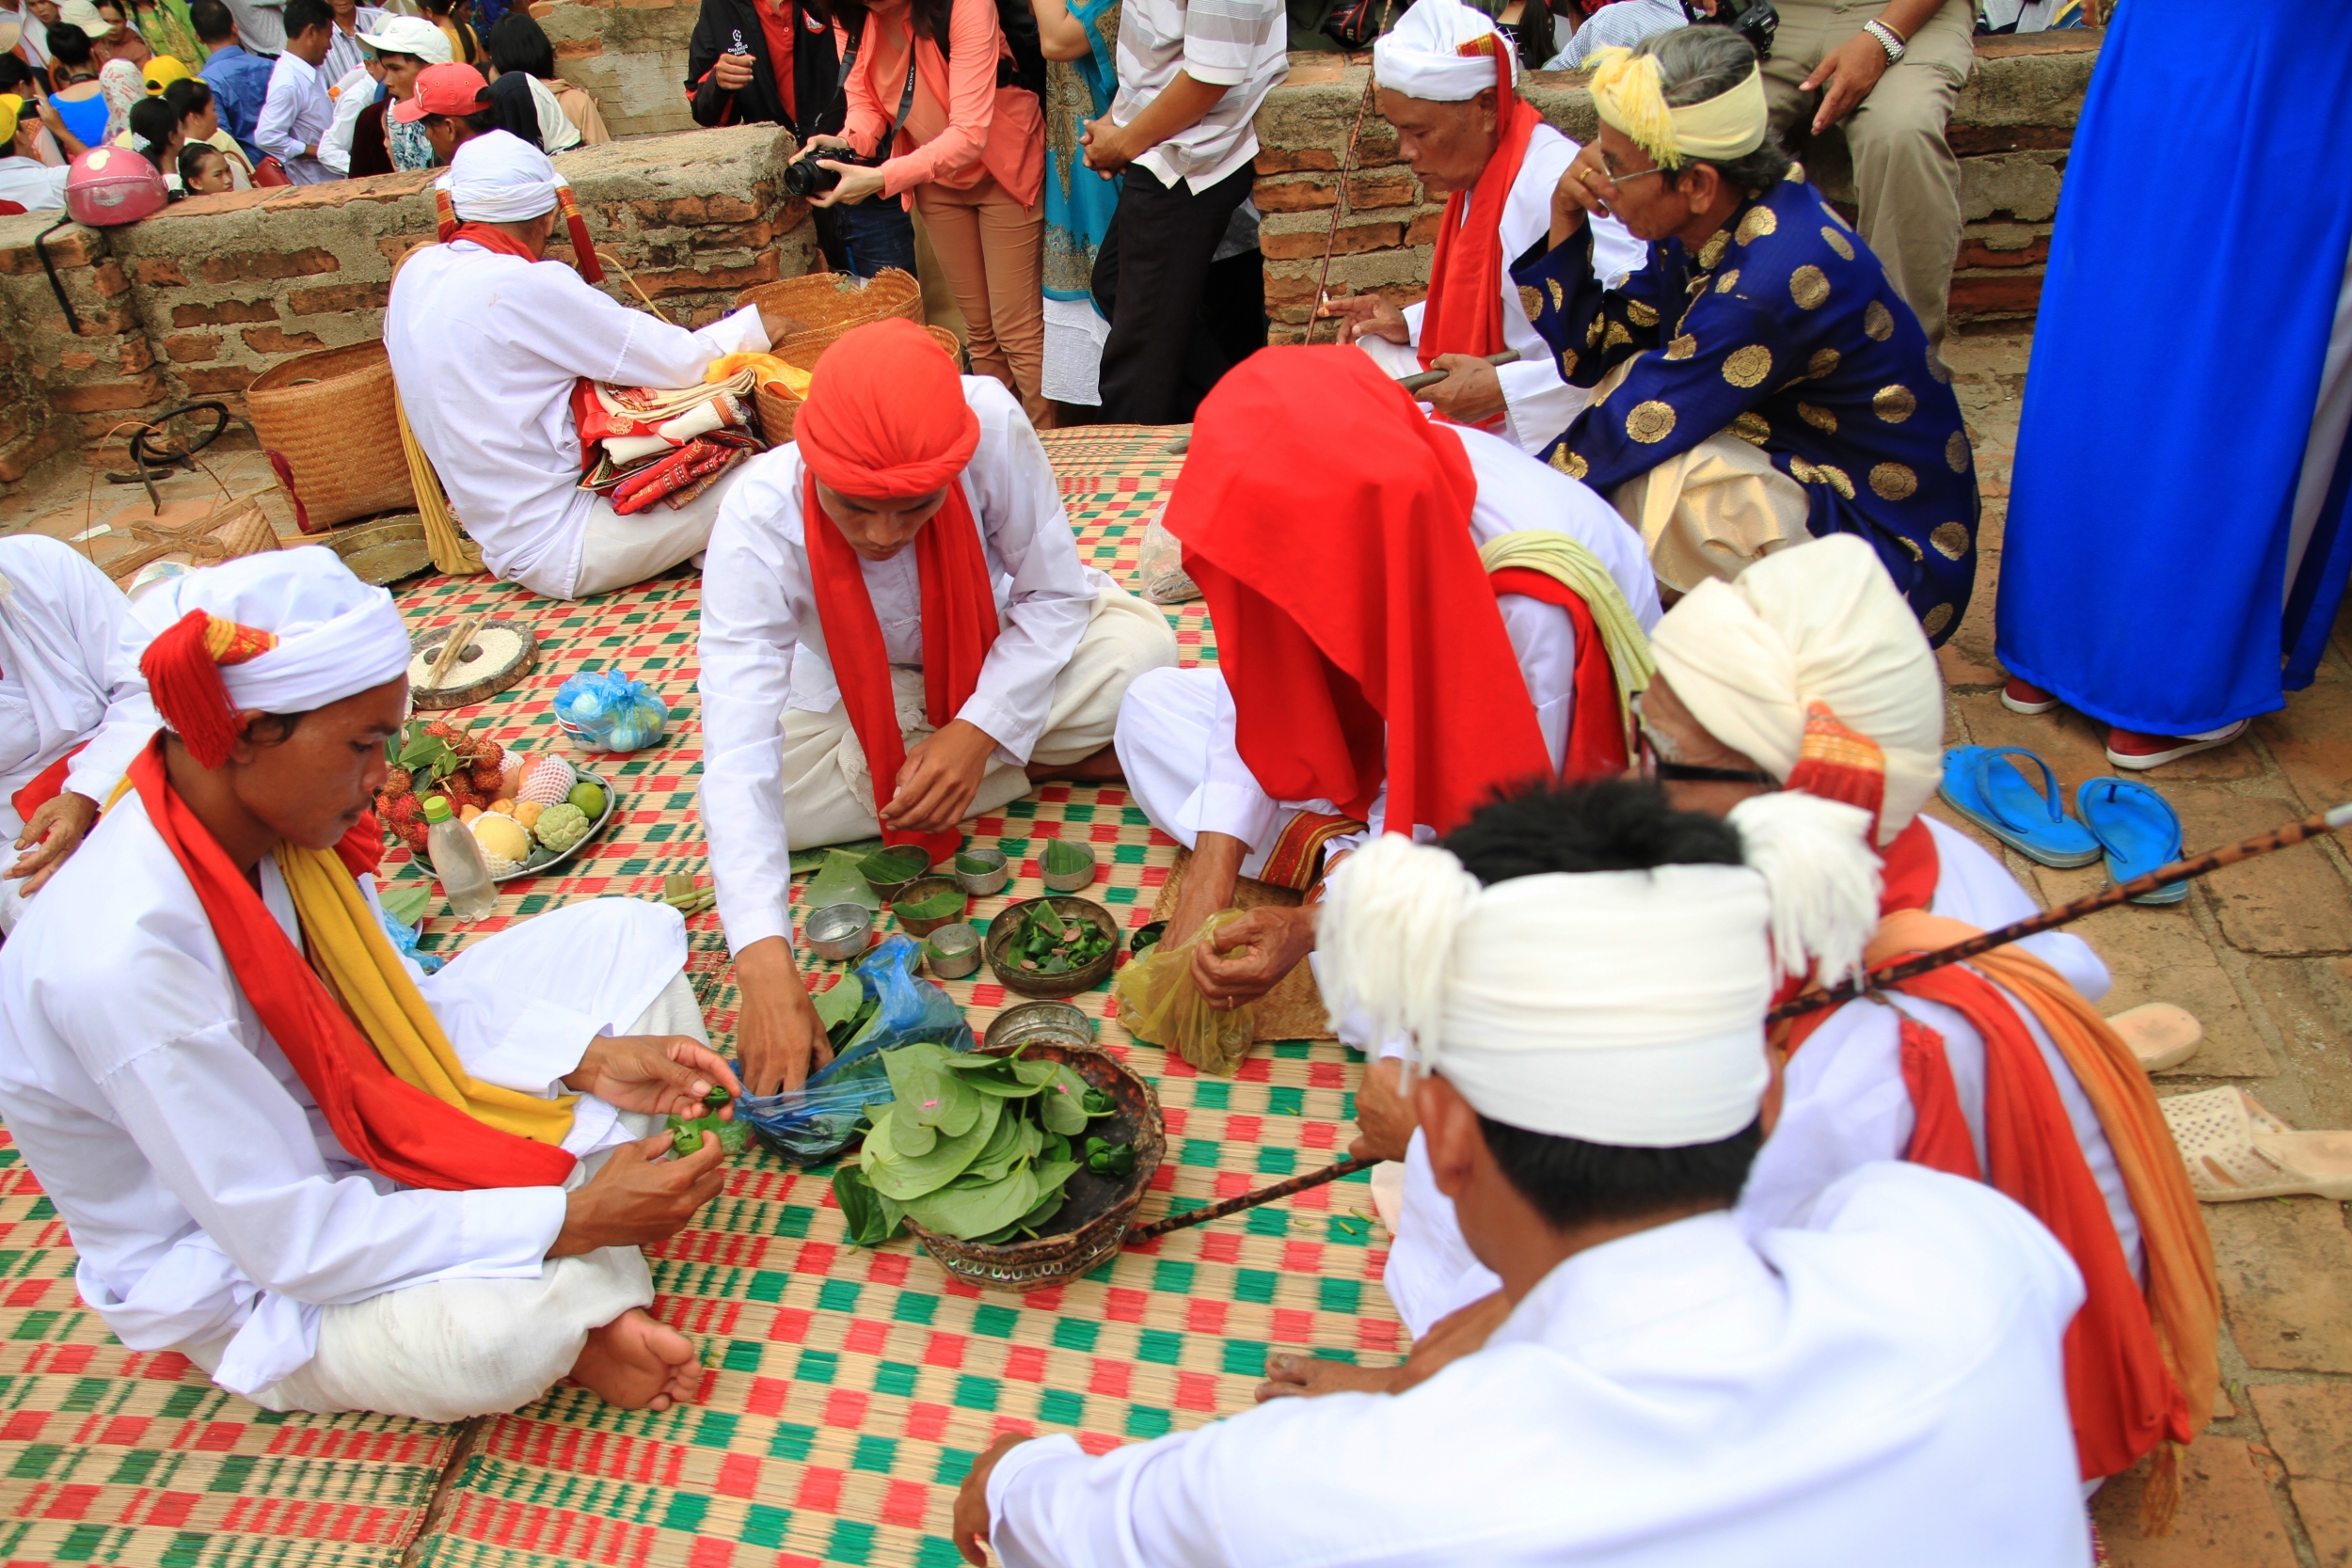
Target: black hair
{"points": [[475, 124], [927, 17], [17, 77], [1605, 825], [517, 44], [192, 162], [303, 15], [153, 121], [212, 22], [69, 46], [447, 11], [190, 95]]}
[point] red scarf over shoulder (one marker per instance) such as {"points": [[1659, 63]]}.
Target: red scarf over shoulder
{"points": [[1463, 313]]}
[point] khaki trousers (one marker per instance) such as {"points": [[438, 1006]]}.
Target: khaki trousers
{"points": [[1712, 512], [994, 252], [1906, 180], [828, 791]]}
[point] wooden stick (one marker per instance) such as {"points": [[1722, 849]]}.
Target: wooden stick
{"points": [[2211, 860], [1339, 193], [1248, 1200], [451, 650]]}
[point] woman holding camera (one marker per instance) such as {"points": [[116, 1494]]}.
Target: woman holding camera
{"points": [[969, 148]]}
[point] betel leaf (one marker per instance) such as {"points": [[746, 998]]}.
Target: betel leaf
{"points": [[1097, 1103], [898, 864], [965, 1212], [838, 882], [1064, 859], [1052, 1175], [809, 859], [1006, 1148], [973, 865], [910, 1137], [1105, 1158], [1038, 1072], [905, 1177], [1063, 1103], [1046, 921], [973, 1061], [838, 1002], [869, 1218], [939, 906], [1001, 1087], [925, 1090], [406, 902]]}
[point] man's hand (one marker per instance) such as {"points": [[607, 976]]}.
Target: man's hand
{"points": [[660, 1075], [1209, 884], [1368, 316], [1582, 193], [940, 777], [1472, 393], [1245, 959], [1104, 147], [778, 1036], [639, 1197], [970, 1528], [732, 73], [1384, 1113], [1850, 70], [1452, 1336], [57, 830]]}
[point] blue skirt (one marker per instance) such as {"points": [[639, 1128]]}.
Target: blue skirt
{"points": [[2194, 270]]}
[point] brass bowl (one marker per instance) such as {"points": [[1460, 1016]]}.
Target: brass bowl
{"points": [[916, 892], [383, 550], [1085, 978]]}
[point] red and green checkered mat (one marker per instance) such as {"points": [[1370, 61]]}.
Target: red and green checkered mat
{"points": [[844, 1392]]}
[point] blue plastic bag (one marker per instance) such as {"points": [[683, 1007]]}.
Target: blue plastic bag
{"points": [[609, 712], [814, 1122], [405, 940]]}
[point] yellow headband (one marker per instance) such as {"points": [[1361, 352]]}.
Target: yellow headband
{"points": [[1626, 91], [11, 109]]}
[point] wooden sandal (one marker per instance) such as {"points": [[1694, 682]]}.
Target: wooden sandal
{"points": [[2235, 1150], [2160, 1035]]}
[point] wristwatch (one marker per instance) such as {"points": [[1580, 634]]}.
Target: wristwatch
{"points": [[1887, 38]]}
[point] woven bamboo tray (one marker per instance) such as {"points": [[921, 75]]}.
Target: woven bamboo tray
{"points": [[824, 304], [329, 415], [778, 408]]}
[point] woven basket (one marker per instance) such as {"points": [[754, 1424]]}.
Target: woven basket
{"points": [[777, 408], [1094, 1220], [824, 304], [206, 542], [329, 415]]}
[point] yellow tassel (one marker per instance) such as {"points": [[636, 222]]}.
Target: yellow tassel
{"points": [[2161, 1499], [1629, 95], [454, 554]]}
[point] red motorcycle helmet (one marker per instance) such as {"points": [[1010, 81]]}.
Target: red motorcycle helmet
{"points": [[110, 186]]}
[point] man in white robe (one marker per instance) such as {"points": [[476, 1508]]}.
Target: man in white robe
{"points": [[217, 1131], [923, 482], [1879, 1383], [72, 711], [1472, 140], [1262, 477], [487, 341]]}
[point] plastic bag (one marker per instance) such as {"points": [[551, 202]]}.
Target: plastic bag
{"points": [[811, 1124], [1160, 566], [1159, 1004], [609, 712]]}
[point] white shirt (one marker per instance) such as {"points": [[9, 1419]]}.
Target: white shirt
{"points": [[486, 349], [67, 676], [354, 90], [205, 1194], [1515, 492], [33, 187], [1537, 403], [1884, 1386], [763, 649], [296, 114], [1237, 44]]}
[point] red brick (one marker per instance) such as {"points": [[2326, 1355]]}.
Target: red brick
{"points": [[339, 298], [574, 49], [1976, 253], [224, 312], [78, 360], [223, 378], [187, 346], [159, 272], [1378, 188], [135, 356], [1297, 195], [2309, 1428], [20, 460], [394, 246], [1352, 239], [1292, 160], [106, 277], [1978, 292], [277, 339], [661, 284], [248, 267], [94, 397], [689, 210], [219, 201], [1424, 228], [71, 247]]}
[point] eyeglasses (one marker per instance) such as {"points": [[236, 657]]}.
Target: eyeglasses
{"points": [[1616, 179], [1653, 766]]}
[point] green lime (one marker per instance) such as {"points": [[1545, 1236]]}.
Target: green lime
{"points": [[589, 799]]}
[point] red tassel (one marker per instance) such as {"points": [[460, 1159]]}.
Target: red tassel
{"points": [[583, 253], [444, 216], [188, 691], [284, 471]]}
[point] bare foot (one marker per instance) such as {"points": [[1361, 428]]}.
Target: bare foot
{"points": [[1094, 768], [1304, 1376], [637, 1363]]}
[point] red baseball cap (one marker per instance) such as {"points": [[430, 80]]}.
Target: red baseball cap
{"points": [[444, 89]]}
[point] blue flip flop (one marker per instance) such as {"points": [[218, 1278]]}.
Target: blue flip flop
{"points": [[2137, 828], [1984, 787]]}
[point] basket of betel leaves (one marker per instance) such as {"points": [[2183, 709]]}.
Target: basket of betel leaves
{"points": [[1016, 1166]]}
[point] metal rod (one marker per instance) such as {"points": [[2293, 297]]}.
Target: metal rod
{"points": [[1347, 168], [2286, 837], [1421, 379], [1248, 1200]]}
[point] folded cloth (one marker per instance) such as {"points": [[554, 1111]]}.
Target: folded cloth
{"points": [[688, 470], [628, 423]]}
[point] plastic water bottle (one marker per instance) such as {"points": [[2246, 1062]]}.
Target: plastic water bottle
{"points": [[457, 861]]}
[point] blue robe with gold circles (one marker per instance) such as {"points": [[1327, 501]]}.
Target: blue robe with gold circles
{"points": [[1783, 331]]}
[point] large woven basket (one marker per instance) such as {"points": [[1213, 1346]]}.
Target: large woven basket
{"points": [[1095, 1221], [824, 304], [329, 415], [777, 408], [235, 530]]}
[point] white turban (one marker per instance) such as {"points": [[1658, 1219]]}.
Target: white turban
{"points": [[1621, 1007], [1820, 623], [1422, 57], [336, 636], [499, 178]]}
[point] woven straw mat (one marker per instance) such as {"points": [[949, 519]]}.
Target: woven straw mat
{"points": [[846, 1391]]}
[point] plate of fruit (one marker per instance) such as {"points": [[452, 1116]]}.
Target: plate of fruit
{"points": [[529, 813]]}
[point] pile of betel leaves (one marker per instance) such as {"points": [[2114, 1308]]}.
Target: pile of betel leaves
{"points": [[1045, 944], [978, 1147]]}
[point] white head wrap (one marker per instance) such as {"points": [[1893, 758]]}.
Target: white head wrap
{"points": [[336, 635], [1622, 1008], [1422, 57], [499, 178], [1820, 623]]}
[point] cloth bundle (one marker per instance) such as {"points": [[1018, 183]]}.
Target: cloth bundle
{"points": [[625, 425], [679, 474]]}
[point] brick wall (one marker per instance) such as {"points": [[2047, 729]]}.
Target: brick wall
{"points": [[2012, 128], [630, 55], [201, 298]]}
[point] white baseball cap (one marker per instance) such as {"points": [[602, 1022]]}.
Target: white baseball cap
{"points": [[409, 35]]}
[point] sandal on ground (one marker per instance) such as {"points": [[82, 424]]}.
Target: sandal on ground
{"points": [[2138, 829], [2160, 1035], [2237, 1150], [1984, 787]]}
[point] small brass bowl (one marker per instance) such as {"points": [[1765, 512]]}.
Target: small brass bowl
{"points": [[954, 951], [838, 932]]}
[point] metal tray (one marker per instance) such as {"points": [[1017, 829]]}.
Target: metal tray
{"points": [[611, 804]]}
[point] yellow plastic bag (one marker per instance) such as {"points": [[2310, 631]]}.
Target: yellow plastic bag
{"points": [[1159, 1004]]}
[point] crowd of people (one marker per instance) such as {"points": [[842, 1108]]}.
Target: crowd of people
{"points": [[1589, 702]]}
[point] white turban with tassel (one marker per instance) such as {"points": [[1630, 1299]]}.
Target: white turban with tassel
{"points": [[1621, 1007], [1443, 50]]}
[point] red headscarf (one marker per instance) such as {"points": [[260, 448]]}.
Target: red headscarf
{"points": [[1327, 524], [1464, 311], [886, 419]]}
